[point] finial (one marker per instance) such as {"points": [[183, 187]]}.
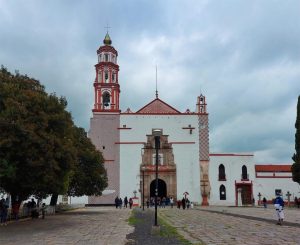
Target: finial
{"points": [[156, 92], [107, 40]]}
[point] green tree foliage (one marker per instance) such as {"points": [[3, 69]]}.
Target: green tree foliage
{"points": [[296, 156], [89, 174], [39, 144]]}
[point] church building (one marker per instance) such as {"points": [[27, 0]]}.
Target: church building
{"points": [[185, 165]]}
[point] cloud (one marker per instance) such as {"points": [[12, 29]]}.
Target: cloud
{"points": [[242, 55]]}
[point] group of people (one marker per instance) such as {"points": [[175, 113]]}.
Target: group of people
{"points": [[162, 202], [119, 203]]}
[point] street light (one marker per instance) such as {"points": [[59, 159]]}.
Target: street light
{"points": [[143, 197], [156, 133]]}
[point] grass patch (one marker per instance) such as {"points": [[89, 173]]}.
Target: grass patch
{"points": [[169, 231], [133, 220]]}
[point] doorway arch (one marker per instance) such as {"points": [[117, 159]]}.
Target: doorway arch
{"points": [[162, 188]]}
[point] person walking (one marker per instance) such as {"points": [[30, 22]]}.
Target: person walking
{"points": [[265, 202], [171, 202], [125, 202], [279, 204], [183, 203], [120, 202], [130, 202], [117, 202], [163, 202]]}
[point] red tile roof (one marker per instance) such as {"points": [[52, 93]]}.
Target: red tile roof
{"points": [[158, 106], [273, 168]]}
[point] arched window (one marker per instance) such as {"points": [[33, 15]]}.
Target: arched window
{"points": [[106, 99], [222, 192], [244, 172], [222, 175]]}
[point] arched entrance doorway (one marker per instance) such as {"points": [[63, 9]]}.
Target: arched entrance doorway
{"points": [[162, 188]]}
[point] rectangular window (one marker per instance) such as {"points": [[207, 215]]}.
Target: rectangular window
{"points": [[106, 57]]}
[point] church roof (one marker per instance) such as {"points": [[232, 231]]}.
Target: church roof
{"points": [[273, 168], [158, 106]]}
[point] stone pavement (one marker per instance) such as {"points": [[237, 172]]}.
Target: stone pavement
{"points": [[109, 226], [96, 225], [202, 226]]}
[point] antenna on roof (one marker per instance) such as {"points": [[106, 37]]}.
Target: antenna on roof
{"points": [[156, 92]]}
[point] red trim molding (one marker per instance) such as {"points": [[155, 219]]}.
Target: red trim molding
{"points": [[129, 143], [231, 155], [182, 142]]}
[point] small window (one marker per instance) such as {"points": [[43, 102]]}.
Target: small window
{"points": [[244, 173], [222, 175], [222, 192], [106, 57], [103, 147], [113, 77]]}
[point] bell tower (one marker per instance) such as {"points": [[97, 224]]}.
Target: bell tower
{"points": [[107, 88], [105, 121]]}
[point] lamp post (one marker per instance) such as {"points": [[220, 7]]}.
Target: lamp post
{"points": [[143, 196], [157, 133]]}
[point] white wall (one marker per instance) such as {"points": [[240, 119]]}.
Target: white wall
{"points": [[233, 170], [186, 156], [267, 186]]}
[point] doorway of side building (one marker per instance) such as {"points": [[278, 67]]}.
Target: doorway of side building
{"points": [[162, 188], [246, 193]]}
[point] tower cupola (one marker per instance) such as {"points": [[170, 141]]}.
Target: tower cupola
{"points": [[107, 40], [107, 88]]}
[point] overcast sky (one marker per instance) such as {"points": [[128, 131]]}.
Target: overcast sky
{"points": [[244, 56]]}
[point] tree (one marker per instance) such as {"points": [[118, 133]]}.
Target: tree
{"points": [[39, 146], [296, 156], [89, 176]]}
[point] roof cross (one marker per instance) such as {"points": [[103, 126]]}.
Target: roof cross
{"points": [[107, 27]]}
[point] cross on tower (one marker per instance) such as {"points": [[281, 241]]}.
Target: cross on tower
{"points": [[107, 27]]}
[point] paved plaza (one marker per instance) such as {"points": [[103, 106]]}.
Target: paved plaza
{"points": [[216, 226], [109, 226], [89, 226]]}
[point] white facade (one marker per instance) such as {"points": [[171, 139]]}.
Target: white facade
{"points": [[185, 149]]}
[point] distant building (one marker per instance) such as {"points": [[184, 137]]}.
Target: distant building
{"points": [[126, 140]]}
